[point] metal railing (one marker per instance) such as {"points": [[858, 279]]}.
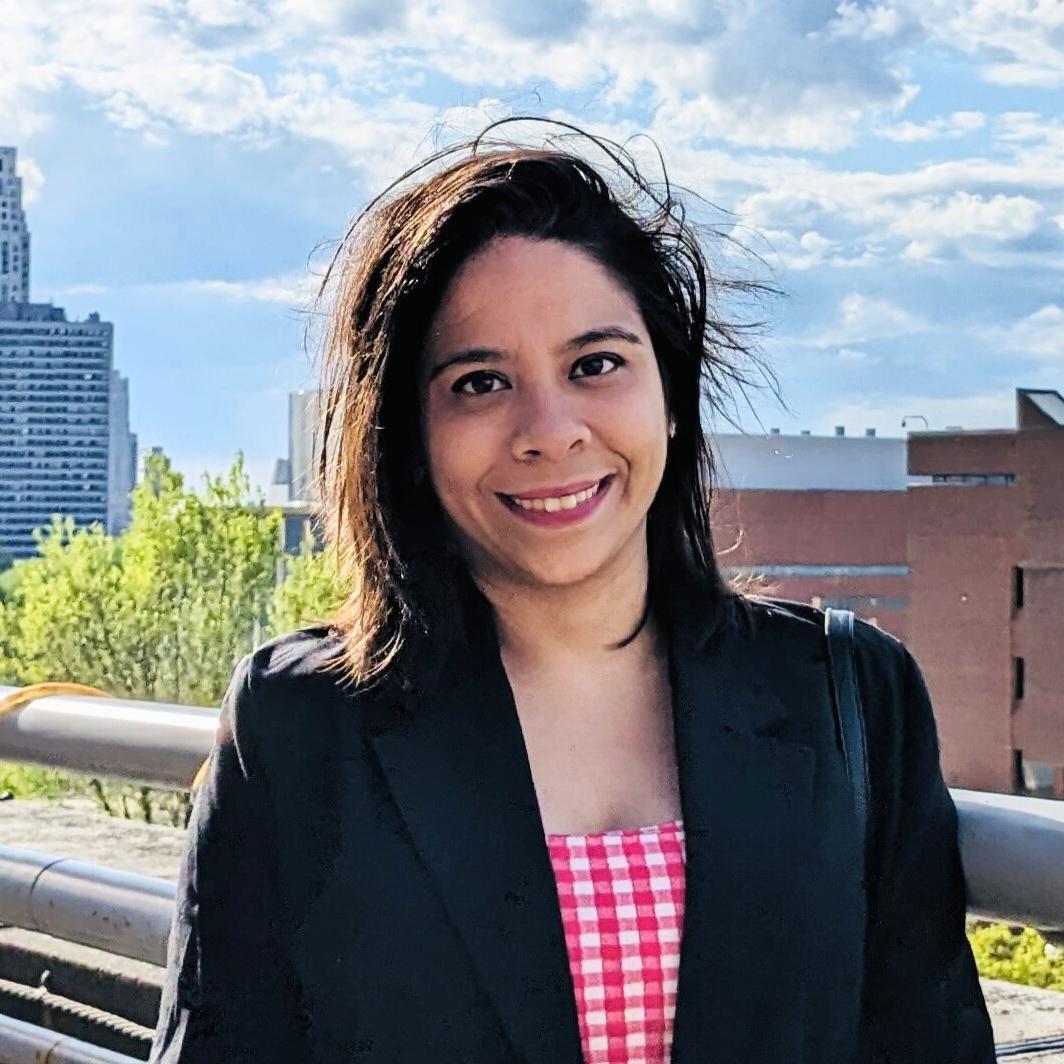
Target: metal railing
{"points": [[106, 908], [1012, 848]]}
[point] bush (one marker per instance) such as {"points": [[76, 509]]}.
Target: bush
{"points": [[1016, 954]]}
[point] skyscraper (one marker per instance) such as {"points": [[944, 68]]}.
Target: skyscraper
{"points": [[14, 236], [65, 444]]}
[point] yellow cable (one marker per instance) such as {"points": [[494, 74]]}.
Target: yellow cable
{"points": [[24, 695]]}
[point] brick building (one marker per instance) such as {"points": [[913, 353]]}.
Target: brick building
{"points": [[961, 556]]}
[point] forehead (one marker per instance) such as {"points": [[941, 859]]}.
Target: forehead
{"points": [[516, 287]]}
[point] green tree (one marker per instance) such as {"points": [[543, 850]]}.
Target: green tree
{"points": [[308, 592], [161, 612]]}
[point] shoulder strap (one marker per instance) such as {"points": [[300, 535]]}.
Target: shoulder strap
{"points": [[849, 715]]}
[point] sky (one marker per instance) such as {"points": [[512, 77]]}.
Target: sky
{"points": [[895, 168]]}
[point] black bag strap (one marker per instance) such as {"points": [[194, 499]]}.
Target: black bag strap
{"points": [[849, 714]]}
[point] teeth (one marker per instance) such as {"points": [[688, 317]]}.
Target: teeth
{"points": [[561, 502]]}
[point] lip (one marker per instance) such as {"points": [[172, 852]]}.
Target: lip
{"points": [[560, 518]]}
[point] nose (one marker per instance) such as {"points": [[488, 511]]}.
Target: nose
{"points": [[549, 426]]}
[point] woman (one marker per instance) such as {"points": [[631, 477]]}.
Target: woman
{"points": [[546, 789]]}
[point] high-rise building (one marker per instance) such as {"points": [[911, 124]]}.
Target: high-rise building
{"points": [[14, 236], [122, 456], [294, 485], [65, 444], [303, 418]]}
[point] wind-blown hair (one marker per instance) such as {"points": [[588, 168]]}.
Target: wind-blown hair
{"points": [[408, 591]]}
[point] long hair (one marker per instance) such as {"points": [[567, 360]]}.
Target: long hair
{"points": [[407, 589]]}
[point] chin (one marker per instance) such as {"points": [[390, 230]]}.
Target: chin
{"points": [[562, 572]]}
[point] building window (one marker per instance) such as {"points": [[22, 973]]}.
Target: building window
{"points": [[1018, 678], [1017, 587], [973, 478]]}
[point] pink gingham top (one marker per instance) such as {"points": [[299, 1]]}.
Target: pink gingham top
{"points": [[622, 896]]}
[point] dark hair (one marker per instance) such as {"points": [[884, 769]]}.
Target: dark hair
{"points": [[408, 591]]}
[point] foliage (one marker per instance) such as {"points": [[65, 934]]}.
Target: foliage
{"points": [[161, 612], [309, 592], [1018, 955], [33, 781]]}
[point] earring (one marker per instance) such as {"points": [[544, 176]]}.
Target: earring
{"points": [[672, 428]]}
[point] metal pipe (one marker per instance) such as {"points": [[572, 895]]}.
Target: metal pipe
{"points": [[120, 912], [1012, 849], [25, 1043], [148, 742]]}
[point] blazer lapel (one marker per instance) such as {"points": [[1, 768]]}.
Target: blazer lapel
{"points": [[747, 805], [459, 770]]}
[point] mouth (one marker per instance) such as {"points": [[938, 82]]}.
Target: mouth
{"points": [[565, 506]]}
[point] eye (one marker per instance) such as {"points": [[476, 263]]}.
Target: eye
{"points": [[480, 383], [597, 365]]}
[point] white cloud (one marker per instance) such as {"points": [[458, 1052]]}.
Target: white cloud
{"points": [[964, 215], [87, 289], [861, 318], [225, 12], [1018, 42], [809, 251], [867, 22], [32, 179], [797, 74], [958, 124], [1040, 334], [292, 290]]}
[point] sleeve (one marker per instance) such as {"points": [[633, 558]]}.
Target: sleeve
{"points": [[228, 993], [922, 1000]]}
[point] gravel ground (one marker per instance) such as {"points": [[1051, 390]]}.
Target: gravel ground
{"points": [[75, 828]]}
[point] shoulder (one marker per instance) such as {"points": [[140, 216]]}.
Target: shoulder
{"points": [[300, 657], [286, 697], [901, 731], [783, 623]]}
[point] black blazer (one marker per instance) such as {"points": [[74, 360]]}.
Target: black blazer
{"points": [[367, 877]]}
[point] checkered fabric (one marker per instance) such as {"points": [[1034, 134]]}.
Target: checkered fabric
{"points": [[622, 896]]}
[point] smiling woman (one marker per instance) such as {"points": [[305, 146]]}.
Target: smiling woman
{"points": [[564, 421], [546, 788]]}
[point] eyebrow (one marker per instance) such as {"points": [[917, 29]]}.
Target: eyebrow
{"points": [[491, 354]]}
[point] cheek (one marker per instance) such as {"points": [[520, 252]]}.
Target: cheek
{"points": [[459, 455], [640, 427]]}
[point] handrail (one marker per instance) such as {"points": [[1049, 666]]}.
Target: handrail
{"points": [[1012, 847], [26, 1043], [157, 743], [120, 912], [1012, 850]]}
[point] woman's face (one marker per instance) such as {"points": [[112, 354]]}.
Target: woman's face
{"points": [[543, 415]]}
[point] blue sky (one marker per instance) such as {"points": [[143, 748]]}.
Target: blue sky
{"points": [[899, 165]]}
